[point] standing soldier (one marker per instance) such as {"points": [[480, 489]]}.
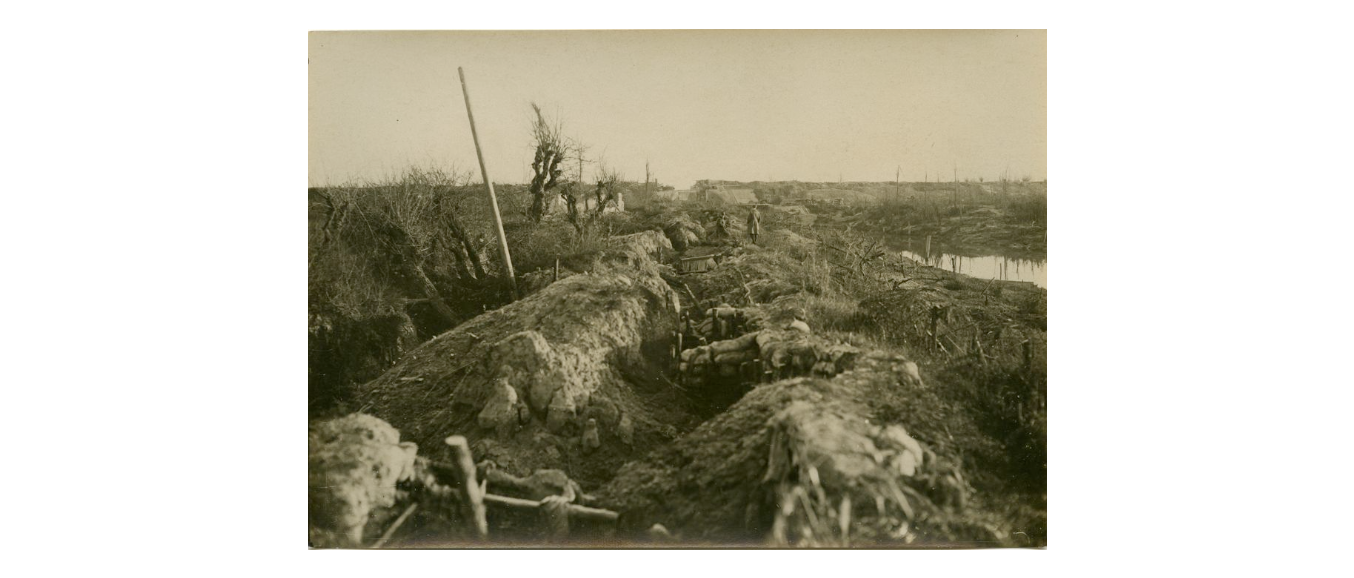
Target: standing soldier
{"points": [[754, 223]]}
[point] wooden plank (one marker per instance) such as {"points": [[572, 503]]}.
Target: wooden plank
{"points": [[581, 512]]}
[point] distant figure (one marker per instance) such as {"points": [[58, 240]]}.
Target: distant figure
{"points": [[722, 226], [754, 224]]}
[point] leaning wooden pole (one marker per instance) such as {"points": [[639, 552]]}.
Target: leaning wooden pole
{"points": [[493, 200]]}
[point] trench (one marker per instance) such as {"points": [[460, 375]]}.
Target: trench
{"points": [[435, 392]]}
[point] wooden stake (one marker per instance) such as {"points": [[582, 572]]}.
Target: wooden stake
{"points": [[557, 268], [395, 526], [935, 316], [493, 200], [471, 492]]}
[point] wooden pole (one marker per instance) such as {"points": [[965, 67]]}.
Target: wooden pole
{"points": [[580, 512], [935, 316], [928, 247], [493, 200], [471, 492]]}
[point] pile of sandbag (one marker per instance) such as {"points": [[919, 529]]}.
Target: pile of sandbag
{"points": [[767, 355], [789, 352], [726, 358], [720, 322]]}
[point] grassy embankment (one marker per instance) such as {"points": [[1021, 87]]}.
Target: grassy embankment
{"points": [[395, 262]]}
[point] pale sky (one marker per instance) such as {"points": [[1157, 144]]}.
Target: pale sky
{"points": [[733, 105]]}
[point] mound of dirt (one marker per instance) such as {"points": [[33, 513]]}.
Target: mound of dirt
{"points": [[793, 243], [521, 382], [844, 195], [805, 461], [750, 271], [355, 462], [539, 279], [938, 309], [793, 214], [683, 232]]}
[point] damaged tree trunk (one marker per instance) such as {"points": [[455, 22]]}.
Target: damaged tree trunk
{"points": [[468, 248], [433, 296], [460, 246]]}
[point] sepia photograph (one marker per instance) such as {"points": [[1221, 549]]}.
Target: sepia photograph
{"points": [[677, 289]]}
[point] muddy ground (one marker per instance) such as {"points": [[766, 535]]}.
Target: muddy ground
{"points": [[595, 394], [971, 231]]}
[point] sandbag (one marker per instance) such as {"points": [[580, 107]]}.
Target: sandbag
{"points": [[735, 358], [743, 343], [804, 362], [780, 358], [804, 349], [697, 355]]}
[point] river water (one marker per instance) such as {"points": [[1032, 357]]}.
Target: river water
{"points": [[988, 267]]}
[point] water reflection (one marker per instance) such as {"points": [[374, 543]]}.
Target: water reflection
{"points": [[989, 267]]}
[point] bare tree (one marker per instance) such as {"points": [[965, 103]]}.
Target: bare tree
{"points": [[570, 193], [607, 191], [552, 148]]}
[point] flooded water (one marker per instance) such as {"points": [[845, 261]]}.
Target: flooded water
{"points": [[989, 267]]}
